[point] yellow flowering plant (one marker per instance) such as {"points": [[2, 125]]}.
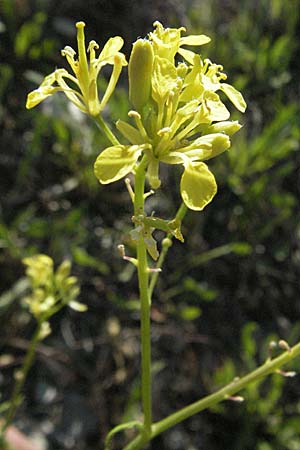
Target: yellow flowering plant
{"points": [[49, 292], [177, 116]]}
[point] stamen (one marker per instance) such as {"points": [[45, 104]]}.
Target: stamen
{"points": [[91, 49], [70, 54], [129, 189], [163, 131], [112, 81], [138, 120], [169, 111]]}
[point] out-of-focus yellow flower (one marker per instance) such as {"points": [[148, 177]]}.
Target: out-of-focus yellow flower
{"points": [[81, 86], [50, 290]]}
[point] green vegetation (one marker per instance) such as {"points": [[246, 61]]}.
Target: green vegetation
{"points": [[229, 291]]}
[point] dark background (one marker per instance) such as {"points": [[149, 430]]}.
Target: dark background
{"points": [[223, 295]]}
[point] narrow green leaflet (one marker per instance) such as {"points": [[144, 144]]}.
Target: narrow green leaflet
{"points": [[198, 186], [116, 162]]}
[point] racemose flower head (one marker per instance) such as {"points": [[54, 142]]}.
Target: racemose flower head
{"points": [[178, 116]]}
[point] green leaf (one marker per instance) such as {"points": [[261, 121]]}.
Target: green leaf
{"points": [[190, 312], [234, 96], [198, 186], [116, 162], [83, 258]]}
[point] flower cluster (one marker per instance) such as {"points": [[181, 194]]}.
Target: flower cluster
{"points": [[50, 290], [177, 115], [179, 118]]}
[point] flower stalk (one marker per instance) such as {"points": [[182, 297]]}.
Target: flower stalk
{"points": [[143, 279]]}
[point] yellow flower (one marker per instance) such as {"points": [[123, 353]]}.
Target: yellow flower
{"points": [[81, 86], [168, 41], [179, 117]]}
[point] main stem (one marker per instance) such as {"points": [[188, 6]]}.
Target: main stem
{"points": [[143, 277]]}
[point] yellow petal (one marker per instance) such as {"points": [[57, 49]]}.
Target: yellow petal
{"points": [[198, 186], [188, 55], [110, 49], [164, 79], [200, 39], [234, 96], [116, 162], [37, 96]]}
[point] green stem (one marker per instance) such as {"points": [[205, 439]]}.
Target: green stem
{"points": [[165, 247], [106, 130], [14, 402], [270, 366], [143, 276]]}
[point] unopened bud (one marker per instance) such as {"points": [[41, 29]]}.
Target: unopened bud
{"points": [[139, 73], [167, 242]]}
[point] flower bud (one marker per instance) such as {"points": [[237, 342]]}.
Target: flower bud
{"points": [[139, 73]]}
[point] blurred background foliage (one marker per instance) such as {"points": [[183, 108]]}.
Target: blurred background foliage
{"points": [[223, 295]]}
